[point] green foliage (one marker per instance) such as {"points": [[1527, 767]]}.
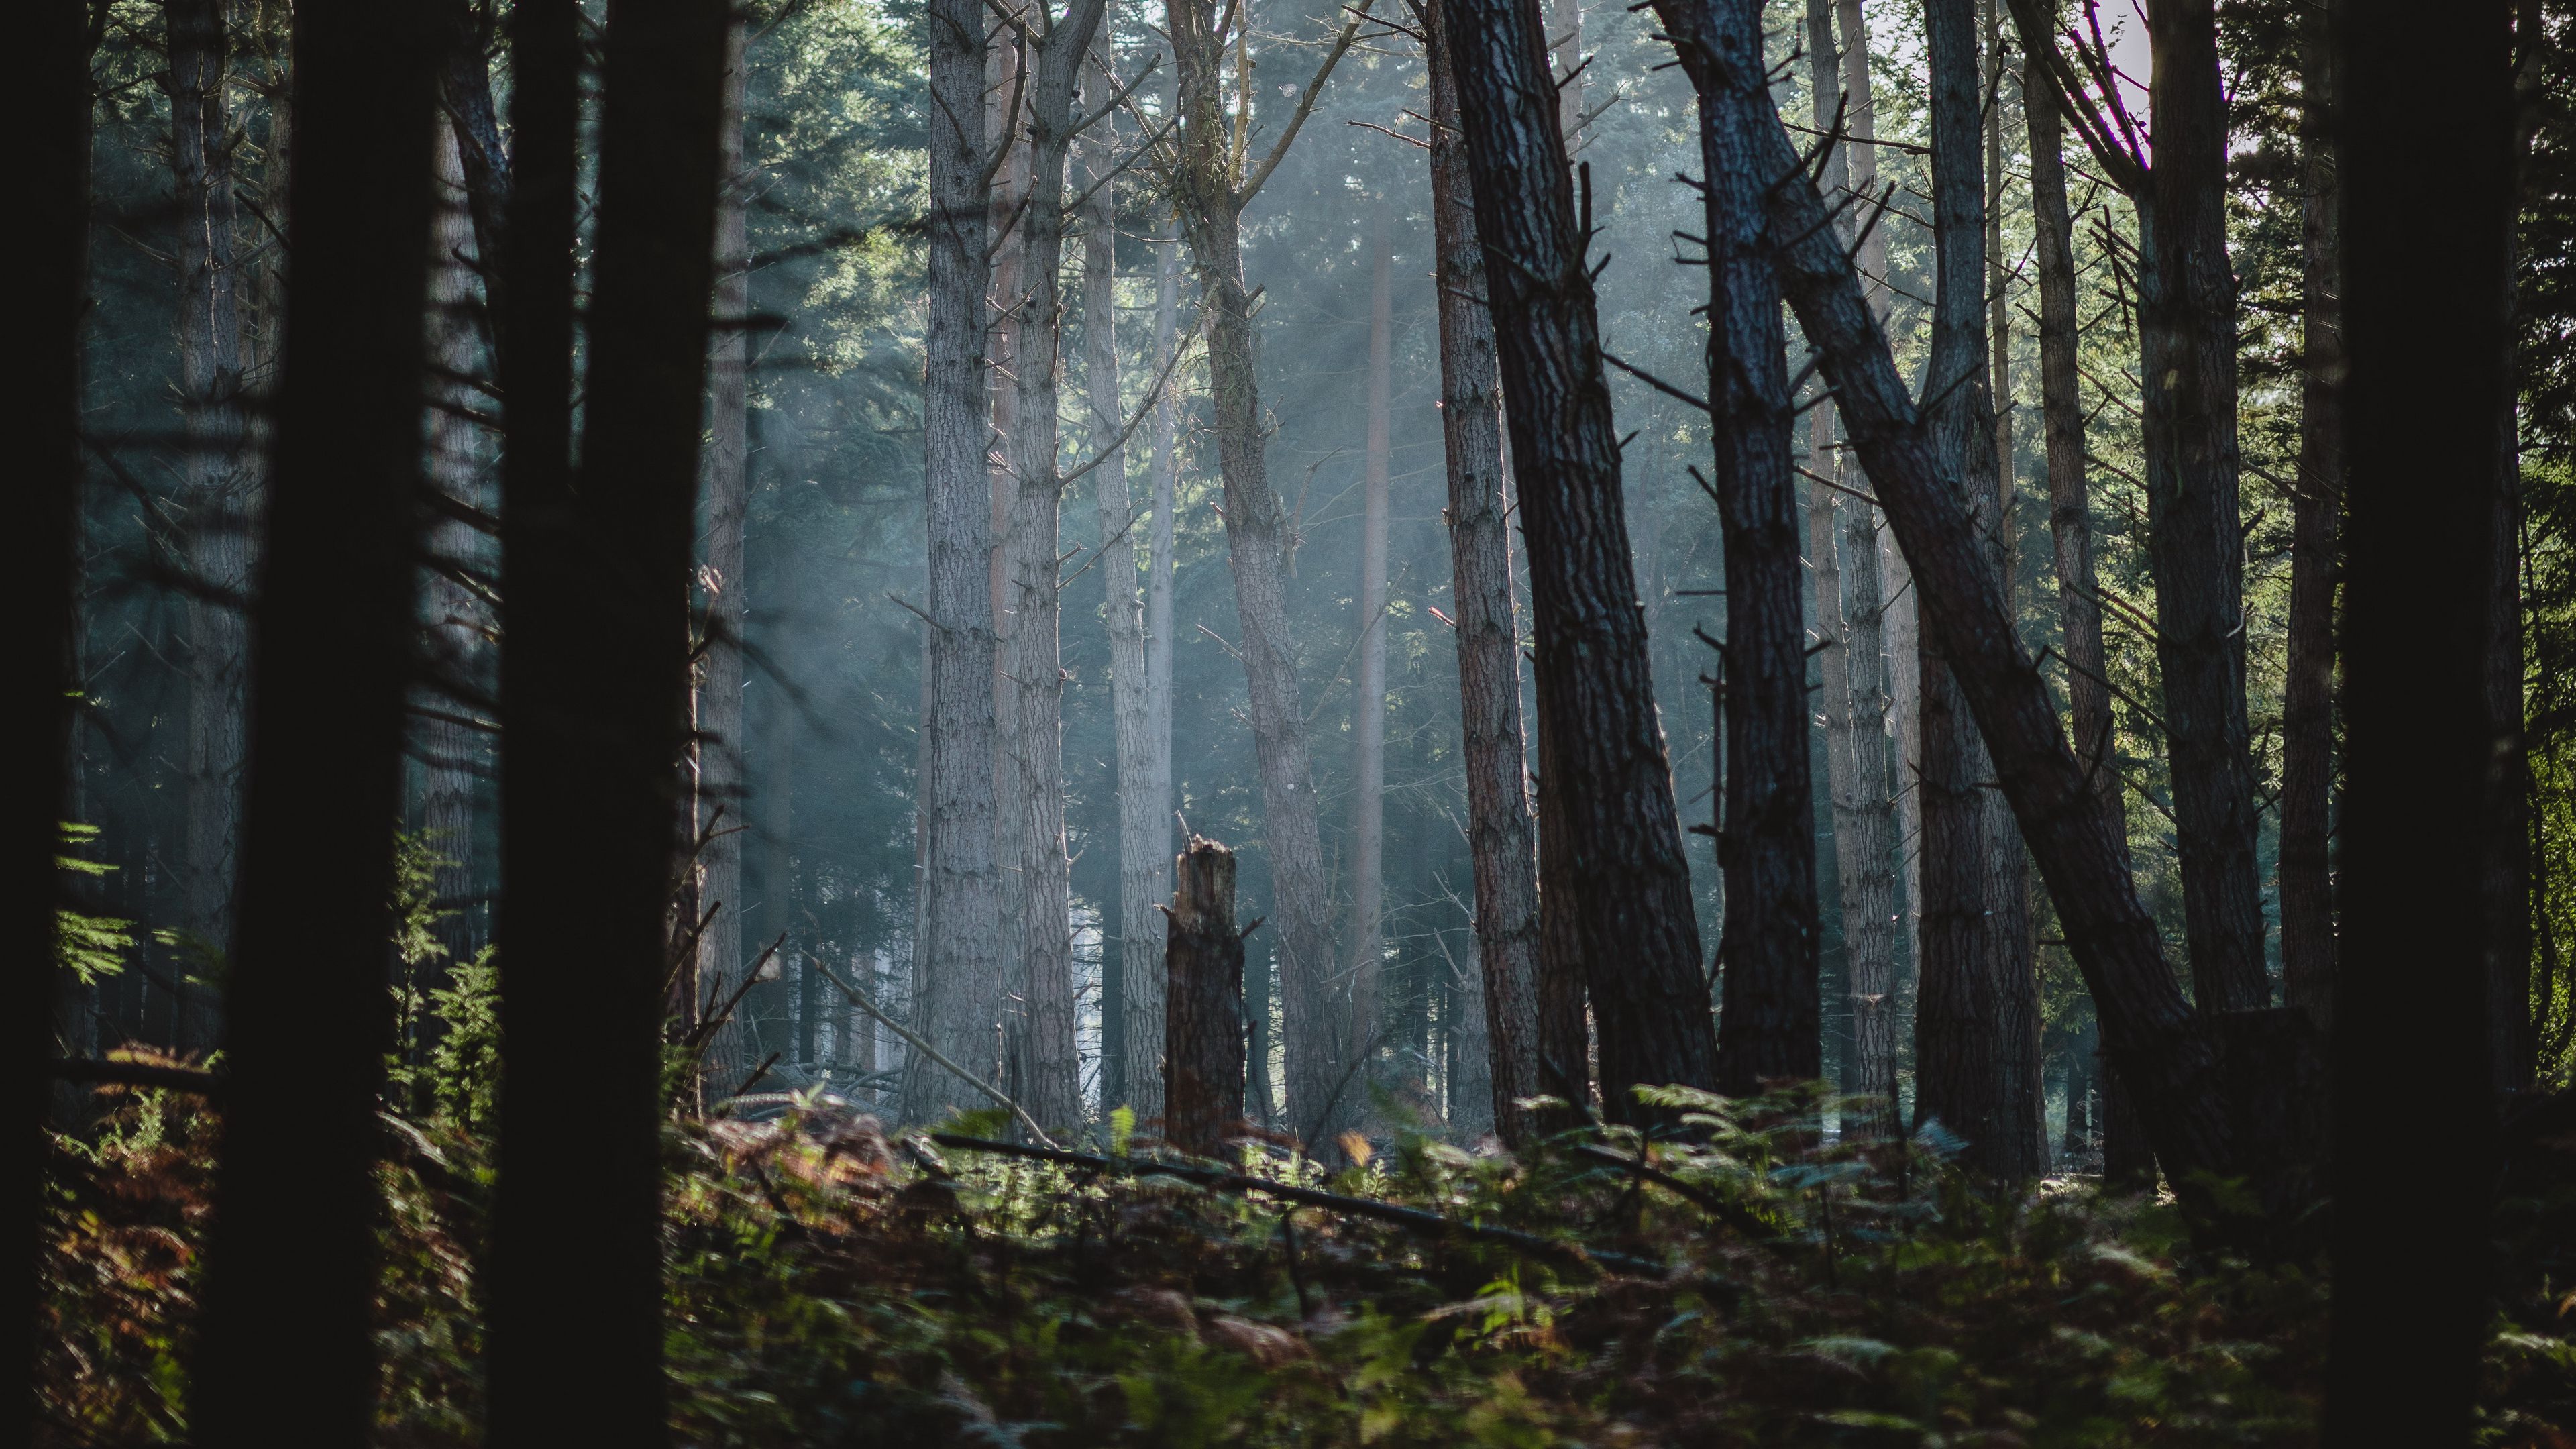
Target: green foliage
{"points": [[91, 947], [446, 1061]]}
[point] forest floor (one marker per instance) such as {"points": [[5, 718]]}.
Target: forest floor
{"points": [[831, 1286]]}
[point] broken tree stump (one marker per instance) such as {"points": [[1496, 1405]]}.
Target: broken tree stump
{"points": [[1203, 1003]]}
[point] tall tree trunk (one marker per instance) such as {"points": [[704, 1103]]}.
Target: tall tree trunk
{"points": [[218, 473], [2316, 517], [2070, 524], [1144, 761], [284, 1349], [1957, 1025], [957, 971], [2110, 933], [2187, 317], [1768, 1027], [453, 619], [720, 797], [1605, 780], [2425, 341], [596, 701], [1033, 653], [1255, 519], [43, 410], [1006, 117], [2023, 1101], [1875, 652], [1489, 660], [1368, 697]]}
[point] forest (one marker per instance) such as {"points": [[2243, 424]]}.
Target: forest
{"points": [[1280, 722]]}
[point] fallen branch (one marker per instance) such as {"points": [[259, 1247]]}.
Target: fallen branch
{"points": [[136, 1074], [1417, 1219], [861, 1000]]}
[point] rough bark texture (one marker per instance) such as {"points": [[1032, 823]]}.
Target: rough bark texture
{"points": [[957, 963], [1768, 1025], [1203, 999], [2112, 937], [596, 701], [284, 1351], [2187, 340], [1489, 683], [1033, 653], [453, 619], [720, 797], [1605, 781], [1144, 773], [2316, 517], [2022, 1105], [2425, 341], [219, 476], [1368, 696], [1255, 526], [43, 414]]}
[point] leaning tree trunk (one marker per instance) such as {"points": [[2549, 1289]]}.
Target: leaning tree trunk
{"points": [[720, 794], [44, 414], [1144, 774], [2425, 340], [2187, 326], [1368, 696], [2112, 936], [2316, 517], [1480, 553], [957, 971], [1255, 525], [596, 702], [1768, 1028], [219, 476], [1033, 587], [284, 1348], [1605, 776], [2070, 523]]}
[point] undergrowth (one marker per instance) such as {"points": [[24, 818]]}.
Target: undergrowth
{"points": [[829, 1286]]}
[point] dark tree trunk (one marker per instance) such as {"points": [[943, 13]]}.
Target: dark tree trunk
{"points": [[2316, 513], [596, 707], [1203, 1036], [2424, 340], [465, 94], [2144, 1018], [1489, 661], [1605, 778], [2187, 340], [43, 409], [956, 980], [285, 1350], [1768, 1028]]}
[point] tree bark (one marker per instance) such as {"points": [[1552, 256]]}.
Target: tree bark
{"points": [[2187, 323], [2146, 1021], [596, 701], [284, 1349], [958, 960], [1769, 1023], [453, 619], [2425, 342], [44, 414], [720, 797], [1211, 207], [1203, 1073], [1034, 655], [1368, 696], [1489, 681], [219, 475], [1144, 862], [1605, 779], [2316, 517]]}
